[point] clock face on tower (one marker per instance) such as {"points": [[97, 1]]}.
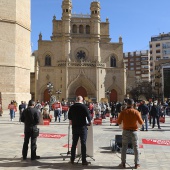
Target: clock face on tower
{"points": [[81, 55]]}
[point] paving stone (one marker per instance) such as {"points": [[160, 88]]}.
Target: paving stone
{"points": [[152, 157]]}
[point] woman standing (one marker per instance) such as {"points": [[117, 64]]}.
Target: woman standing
{"points": [[11, 108]]}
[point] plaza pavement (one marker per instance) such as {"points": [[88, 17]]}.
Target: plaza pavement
{"points": [[152, 157]]}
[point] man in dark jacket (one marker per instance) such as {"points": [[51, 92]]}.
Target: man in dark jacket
{"points": [[22, 107], [155, 112], [143, 108], [78, 113], [31, 119]]}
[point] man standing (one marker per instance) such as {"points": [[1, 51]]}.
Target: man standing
{"points": [[155, 112], [38, 106], [22, 107], [77, 115], [31, 119], [130, 118], [57, 107], [143, 108]]}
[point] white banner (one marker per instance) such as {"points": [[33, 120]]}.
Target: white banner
{"points": [[89, 142]]}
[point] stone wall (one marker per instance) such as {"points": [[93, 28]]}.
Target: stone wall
{"points": [[15, 51]]}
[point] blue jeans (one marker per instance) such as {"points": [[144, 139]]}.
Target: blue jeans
{"points": [[57, 113], [65, 114], [145, 119], [132, 136], [11, 114], [97, 115]]}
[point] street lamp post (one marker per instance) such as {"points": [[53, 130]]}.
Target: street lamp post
{"points": [[58, 92], [50, 92], [50, 88]]}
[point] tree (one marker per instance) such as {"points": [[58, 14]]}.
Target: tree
{"points": [[143, 91]]}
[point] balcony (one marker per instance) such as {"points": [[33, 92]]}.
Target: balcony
{"points": [[145, 66], [145, 75]]}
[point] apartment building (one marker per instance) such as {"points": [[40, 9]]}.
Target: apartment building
{"points": [[139, 63], [162, 79], [159, 49]]}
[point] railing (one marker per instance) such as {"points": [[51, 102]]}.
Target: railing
{"points": [[80, 15], [80, 64]]}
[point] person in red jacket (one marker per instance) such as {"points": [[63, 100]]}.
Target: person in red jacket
{"points": [[57, 107], [11, 108]]}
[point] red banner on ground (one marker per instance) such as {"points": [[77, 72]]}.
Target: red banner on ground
{"points": [[156, 142], [140, 146], [66, 146], [50, 135]]}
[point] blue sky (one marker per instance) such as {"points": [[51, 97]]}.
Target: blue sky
{"points": [[135, 20]]}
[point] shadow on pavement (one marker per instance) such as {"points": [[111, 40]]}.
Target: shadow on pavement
{"points": [[17, 162]]}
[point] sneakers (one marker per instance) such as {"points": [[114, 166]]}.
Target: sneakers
{"points": [[86, 163], [137, 166], [34, 158], [122, 165]]}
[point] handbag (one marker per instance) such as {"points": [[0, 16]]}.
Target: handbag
{"points": [[35, 132]]}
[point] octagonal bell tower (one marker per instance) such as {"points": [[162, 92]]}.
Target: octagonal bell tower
{"points": [[66, 28], [15, 50], [95, 28]]}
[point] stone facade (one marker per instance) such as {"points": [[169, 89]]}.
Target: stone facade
{"points": [[80, 59], [15, 51]]}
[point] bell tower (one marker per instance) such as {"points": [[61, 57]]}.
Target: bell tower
{"points": [[95, 28], [66, 19], [15, 50]]}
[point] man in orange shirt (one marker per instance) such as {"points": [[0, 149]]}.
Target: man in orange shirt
{"points": [[130, 118]]}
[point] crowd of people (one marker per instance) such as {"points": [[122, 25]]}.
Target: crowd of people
{"points": [[150, 110], [129, 116]]}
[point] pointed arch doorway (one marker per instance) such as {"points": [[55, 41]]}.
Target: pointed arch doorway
{"points": [[81, 91], [46, 96], [113, 95]]}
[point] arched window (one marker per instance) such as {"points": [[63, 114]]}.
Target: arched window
{"points": [[81, 29], [87, 29], [74, 28], [113, 61], [47, 60]]}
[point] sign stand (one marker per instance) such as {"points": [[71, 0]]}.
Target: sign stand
{"points": [[68, 152]]}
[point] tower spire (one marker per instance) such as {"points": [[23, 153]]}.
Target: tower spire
{"points": [[66, 8]]}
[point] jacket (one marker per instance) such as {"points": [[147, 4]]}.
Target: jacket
{"points": [[143, 109], [78, 113], [130, 118], [155, 111], [30, 118]]}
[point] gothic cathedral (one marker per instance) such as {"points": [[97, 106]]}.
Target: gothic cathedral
{"points": [[80, 58]]}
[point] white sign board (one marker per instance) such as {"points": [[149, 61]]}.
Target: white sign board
{"points": [[89, 142]]}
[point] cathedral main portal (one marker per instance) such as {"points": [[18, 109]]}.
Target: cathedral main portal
{"points": [[81, 91]]}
